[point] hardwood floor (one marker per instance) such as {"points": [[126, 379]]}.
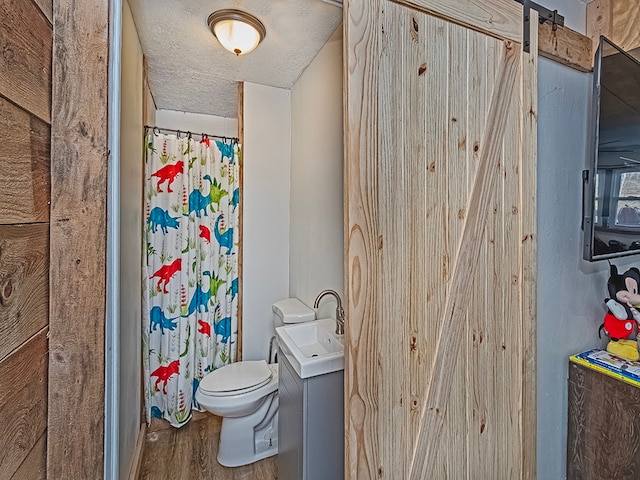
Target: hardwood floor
{"points": [[190, 452]]}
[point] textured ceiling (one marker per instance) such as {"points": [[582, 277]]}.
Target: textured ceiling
{"points": [[189, 71]]}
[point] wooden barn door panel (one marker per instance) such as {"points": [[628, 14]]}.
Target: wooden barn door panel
{"points": [[440, 199]]}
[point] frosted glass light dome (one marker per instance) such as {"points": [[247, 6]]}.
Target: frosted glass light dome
{"points": [[237, 31]]}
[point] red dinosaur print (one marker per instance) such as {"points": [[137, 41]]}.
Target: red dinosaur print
{"points": [[206, 141], [164, 373], [205, 328], [205, 233], [168, 173], [165, 273]]}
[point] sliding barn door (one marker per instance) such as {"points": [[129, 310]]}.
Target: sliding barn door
{"points": [[440, 204]]}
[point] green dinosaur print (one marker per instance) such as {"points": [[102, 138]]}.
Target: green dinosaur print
{"points": [[215, 282], [216, 193], [186, 344]]}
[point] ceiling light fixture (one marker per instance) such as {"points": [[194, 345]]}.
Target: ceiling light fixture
{"points": [[237, 31]]}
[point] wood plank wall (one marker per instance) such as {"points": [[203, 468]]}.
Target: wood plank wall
{"points": [[77, 304], [26, 38], [617, 20]]}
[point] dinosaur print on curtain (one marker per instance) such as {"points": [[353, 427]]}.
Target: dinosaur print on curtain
{"points": [[190, 268]]}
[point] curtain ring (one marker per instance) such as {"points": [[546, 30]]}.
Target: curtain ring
{"points": [[189, 135], [178, 133], [156, 131]]}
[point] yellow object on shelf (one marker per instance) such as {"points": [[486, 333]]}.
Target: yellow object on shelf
{"points": [[609, 364]]}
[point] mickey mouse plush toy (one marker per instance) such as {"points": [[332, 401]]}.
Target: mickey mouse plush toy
{"points": [[622, 316]]}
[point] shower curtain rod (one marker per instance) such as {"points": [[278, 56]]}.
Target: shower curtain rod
{"points": [[187, 133]]}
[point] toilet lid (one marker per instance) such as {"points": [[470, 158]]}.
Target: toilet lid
{"points": [[236, 378]]}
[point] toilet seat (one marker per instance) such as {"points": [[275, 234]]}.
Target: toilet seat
{"points": [[236, 379]]}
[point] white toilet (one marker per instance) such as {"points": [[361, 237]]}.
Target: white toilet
{"points": [[245, 395]]}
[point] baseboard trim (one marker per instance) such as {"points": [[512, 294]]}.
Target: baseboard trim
{"points": [[137, 456]]}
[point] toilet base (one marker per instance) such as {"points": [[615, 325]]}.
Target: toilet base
{"points": [[243, 442]]}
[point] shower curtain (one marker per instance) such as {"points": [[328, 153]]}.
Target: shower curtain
{"points": [[190, 268]]}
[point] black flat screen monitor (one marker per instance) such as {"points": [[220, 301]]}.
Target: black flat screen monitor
{"points": [[611, 219]]}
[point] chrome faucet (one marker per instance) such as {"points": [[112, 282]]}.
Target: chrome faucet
{"points": [[339, 309]]}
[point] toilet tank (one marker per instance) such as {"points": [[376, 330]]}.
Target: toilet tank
{"points": [[291, 310]]}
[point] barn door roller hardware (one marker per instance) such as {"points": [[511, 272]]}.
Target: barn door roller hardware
{"points": [[544, 15]]}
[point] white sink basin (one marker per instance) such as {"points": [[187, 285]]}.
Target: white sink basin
{"points": [[312, 348]]}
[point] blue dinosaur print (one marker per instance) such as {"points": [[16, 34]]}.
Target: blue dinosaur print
{"points": [[159, 320], [223, 328], [198, 201], [227, 150], [156, 412], [196, 384], [200, 299], [161, 218], [235, 200], [224, 239]]}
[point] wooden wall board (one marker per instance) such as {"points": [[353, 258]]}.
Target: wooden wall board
{"points": [[46, 7], [25, 111], [599, 21], [566, 46], [625, 19], [23, 406], [34, 466], [617, 20], [25, 66], [25, 179], [24, 286], [79, 165]]}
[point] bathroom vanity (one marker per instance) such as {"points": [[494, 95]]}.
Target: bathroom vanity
{"points": [[311, 424]]}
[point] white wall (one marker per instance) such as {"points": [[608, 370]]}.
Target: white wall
{"points": [[267, 162], [570, 290], [131, 131], [197, 123], [317, 228]]}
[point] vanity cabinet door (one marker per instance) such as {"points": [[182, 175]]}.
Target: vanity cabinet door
{"points": [[290, 423], [324, 435], [310, 425]]}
